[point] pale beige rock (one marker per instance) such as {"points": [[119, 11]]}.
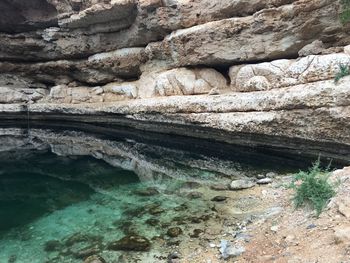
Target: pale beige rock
{"points": [[342, 234], [212, 77], [344, 207], [315, 48], [8, 95], [282, 73], [128, 90], [181, 81], [257, 83], [60, 93], [347, 50]]}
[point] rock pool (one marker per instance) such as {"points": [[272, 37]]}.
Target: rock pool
{"points": [[66, 194]]}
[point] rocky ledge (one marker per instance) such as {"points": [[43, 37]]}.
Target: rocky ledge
{"points": [[189, 67]]}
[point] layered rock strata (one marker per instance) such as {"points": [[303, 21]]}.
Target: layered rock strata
{"points": [[181, 66]]}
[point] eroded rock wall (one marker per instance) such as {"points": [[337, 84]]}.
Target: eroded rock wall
{"points": [[259, 67]]}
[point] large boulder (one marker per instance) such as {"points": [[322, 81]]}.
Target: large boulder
{"points": [[283, 73], [181, 81]]}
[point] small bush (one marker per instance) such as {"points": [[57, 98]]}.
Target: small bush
{"points": [[313, 188], [345, 14], [344, 70]]}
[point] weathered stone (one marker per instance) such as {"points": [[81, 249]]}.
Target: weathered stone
{"points": [[174, 231], [347, 50], [194, 195], [315, 48], [52, 245], [342, 234], [241, 184], [131, 243], [8, 95], [127, 90], [147, 191], [219, 198], [219, 187], [344, 207], [184, 81], [94, 259], [283, 73], [264, 181], [152, 222]]}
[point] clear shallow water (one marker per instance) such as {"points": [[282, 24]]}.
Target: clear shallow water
{"points": [[66, 195]]}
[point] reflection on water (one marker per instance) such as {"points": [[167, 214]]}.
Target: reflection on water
{"points": [[66, 195]]}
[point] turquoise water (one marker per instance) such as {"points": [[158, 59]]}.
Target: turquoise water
{"points": [[66, 195]]}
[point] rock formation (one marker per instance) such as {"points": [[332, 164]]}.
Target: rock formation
{"points": [[193, 67]]}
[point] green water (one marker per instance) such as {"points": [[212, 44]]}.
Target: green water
{"points": [[67, 195]]}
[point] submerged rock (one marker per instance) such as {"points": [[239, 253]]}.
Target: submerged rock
{"points": [[241, 184], [194, 195], [152, 221], [86, 252], [94, 259], [219, 187], [156, 210], [131, 243], [12, 259], [219, 198], [52, 245], [147, 192], [191, 185], [82, 238], [174, 232]]}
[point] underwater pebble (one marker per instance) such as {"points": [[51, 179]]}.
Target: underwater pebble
{"points": [[219, 198], [174, 231], [131, 243], [194, 195], [94, 259]]}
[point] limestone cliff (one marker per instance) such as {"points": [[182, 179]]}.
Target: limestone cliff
{"points": [[202, 68]]}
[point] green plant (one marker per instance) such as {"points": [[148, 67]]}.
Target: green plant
{"points": [[345, 14], [313, 187], [344, 70]]}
